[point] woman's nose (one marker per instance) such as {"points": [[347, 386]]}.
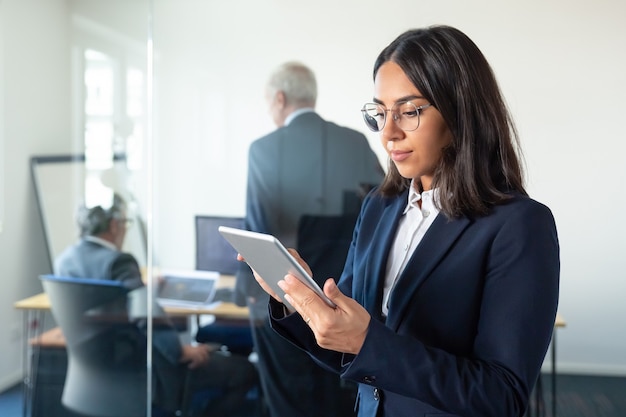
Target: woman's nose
{"points": [[391, 131]]}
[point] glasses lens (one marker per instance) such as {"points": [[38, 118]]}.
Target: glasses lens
{"points": [[407, 116], [126, 222], [374, 116]]}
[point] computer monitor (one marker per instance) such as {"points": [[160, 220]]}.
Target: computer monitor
{"points": [[213, 252]]}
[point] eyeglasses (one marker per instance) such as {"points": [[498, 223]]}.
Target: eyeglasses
{"points": [[127, 222], [405, 114]]}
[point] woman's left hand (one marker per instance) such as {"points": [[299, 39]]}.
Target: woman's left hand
{"points": [[342, 328]]}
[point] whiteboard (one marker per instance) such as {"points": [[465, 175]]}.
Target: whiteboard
{"points": [[59, 182]]}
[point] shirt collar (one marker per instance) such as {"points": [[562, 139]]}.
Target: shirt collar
{"points": [[431, 195], [101, 242], [297, 113]]}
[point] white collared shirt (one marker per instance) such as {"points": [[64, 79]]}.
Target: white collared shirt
{"points": [[297, 113], [412, 227], [102, 242]]}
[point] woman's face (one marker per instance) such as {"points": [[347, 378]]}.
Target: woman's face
{"points": [[417, 153]]}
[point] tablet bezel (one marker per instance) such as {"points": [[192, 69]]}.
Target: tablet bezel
{"points": [[266, 255]]}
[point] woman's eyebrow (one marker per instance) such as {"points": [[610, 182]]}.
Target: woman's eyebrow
{"points": [[401, 99]]}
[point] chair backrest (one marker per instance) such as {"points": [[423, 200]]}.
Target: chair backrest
{"points": [[107, 374], [324, 241]]}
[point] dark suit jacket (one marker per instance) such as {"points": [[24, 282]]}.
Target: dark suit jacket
{"points": [[470, 318], [302, 168]]}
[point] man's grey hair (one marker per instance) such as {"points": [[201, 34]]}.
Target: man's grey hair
{"points": [[297, 82], [93, 221]]}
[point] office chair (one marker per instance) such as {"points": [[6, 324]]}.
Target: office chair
{"points": [[106, 373], [323, 241]]}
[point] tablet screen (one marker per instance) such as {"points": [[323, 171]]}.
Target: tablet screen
{"points": [[270, 259]]}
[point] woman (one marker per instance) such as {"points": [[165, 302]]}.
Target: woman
{"points": [[449, 294]]}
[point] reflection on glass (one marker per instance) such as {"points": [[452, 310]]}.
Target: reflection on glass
{"points": [[111, 126], [133, 126]]}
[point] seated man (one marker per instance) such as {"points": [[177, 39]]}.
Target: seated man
{"points": [[98, 255]]}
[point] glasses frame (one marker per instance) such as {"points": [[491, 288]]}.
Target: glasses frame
{"points": [[394, 115], [128, 222]]}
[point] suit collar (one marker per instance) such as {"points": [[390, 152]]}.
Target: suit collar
{"points": [[375, 266], [294, 114], [440, 236], [100, 241]]}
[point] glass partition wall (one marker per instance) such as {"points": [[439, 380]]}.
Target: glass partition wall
{"points": [[151, 127], [107, 330], [166, 98]]}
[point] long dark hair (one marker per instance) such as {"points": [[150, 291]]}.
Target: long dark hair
{"points": [[481, 166]]}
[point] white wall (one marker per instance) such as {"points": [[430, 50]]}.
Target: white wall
{"points": [[35, 120], [561, 65]]}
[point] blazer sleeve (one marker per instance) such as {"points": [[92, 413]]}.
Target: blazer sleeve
{"points": [[126, 270], [165, 336]]}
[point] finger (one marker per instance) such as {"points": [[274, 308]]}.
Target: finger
{"points": [[301, 261], [301, 297]]}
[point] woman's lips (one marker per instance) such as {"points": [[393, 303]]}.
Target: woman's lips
{"points": [[398, 156]]}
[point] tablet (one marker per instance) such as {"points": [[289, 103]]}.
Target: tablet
{"points": [[270, 259]]}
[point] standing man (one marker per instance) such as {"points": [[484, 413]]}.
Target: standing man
{"points": [[305, 167], [98, 255]]}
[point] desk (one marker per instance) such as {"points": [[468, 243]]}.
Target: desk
{"points": [[41, 303], [37, 306]]}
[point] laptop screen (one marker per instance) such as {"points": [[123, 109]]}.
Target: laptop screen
{"points": [[187, 287]]}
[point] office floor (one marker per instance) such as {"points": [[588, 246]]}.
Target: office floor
{"points": [[577, 396], [11, 405], [586, 396]]}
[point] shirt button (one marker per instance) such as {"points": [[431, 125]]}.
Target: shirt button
{"points": [[376, 394], [426, 213]]}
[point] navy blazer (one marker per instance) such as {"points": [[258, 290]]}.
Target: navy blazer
{"points": [[470, 318]]}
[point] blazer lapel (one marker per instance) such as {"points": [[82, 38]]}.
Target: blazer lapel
{"points": [[435, 244], [376, 263]]}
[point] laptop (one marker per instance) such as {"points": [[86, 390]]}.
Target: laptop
{"points": [[187, 288]]}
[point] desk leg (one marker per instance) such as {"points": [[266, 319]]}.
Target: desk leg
{"points": [[536, 410], [554, 373], [25, 363], [33, 321]]}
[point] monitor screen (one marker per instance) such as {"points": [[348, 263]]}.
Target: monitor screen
{"points": [[213, 252]]}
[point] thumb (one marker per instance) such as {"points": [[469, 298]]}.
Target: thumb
{"points": [[333, 292]]}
